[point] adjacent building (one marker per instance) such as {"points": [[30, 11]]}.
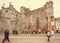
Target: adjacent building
{"points": [[57, 23]]}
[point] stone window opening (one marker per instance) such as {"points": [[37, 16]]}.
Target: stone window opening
{"points": [[6, 11]]}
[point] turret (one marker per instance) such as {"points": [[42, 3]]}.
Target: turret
{"points": [[3, 6], [10, 6], [23, 10]]}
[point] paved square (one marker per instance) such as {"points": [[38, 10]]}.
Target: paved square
{"points": [[29, 38]]}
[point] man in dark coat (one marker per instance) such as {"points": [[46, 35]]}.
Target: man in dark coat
{"points": [[6, 36]]}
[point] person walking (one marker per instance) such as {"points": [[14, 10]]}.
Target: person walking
{"points": [[52, 34], [49, 35], [6, 36]]}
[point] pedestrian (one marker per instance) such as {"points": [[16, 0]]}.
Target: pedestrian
{"points": [[49, 35], [15, 32], [6, 36], [52, 32]]}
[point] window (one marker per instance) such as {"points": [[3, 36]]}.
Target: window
{"points": [[6, 11]]}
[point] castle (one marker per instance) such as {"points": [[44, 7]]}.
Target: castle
{"points": [[26, 20]]}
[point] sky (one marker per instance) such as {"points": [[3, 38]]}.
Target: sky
{"points": [[32, 4]]}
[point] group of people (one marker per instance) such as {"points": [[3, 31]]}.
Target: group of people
{"points": [[6, 35], [15, 32]]}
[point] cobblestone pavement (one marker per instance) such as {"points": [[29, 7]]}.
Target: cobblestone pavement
{"points": [[29, 38]]}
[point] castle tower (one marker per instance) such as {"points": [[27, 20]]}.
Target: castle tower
{"points": [[49, 13], [3, 6], [10, 6], [23, 10]]}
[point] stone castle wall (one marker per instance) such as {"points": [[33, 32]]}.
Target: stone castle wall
{"points": [[26, 20]]}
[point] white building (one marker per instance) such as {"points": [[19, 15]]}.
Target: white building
{"points": [[57, 23]]}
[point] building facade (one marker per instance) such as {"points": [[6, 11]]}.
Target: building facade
{"points": [[27, 20], [57, 23]]}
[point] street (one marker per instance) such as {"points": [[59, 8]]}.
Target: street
{"points": [[29, 38]]}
